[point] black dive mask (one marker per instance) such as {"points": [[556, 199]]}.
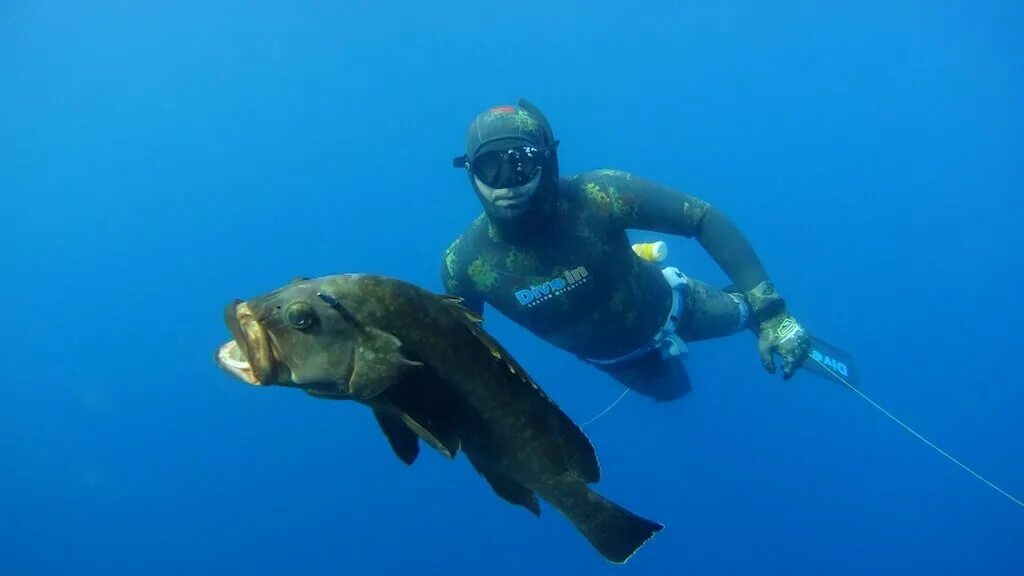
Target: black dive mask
{"points": [[507, 168]]}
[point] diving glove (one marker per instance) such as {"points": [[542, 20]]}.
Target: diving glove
{"points": [[778, 332]]}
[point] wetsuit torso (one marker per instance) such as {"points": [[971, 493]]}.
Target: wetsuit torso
{"points": [[575, 280]]}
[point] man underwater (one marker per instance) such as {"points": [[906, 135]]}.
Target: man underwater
{"points": [[552, 254]]}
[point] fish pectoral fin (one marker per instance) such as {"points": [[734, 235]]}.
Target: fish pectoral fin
{"points": [[511, 491], [449, 445], [378, 364], [403, 441]]}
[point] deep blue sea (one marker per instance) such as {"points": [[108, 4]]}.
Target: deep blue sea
{"points": [[159, 159]]}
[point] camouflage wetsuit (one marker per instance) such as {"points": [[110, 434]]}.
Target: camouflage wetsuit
{"points": [[576, 282], [552, 254]]}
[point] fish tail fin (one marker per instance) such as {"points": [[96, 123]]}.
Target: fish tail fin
{"points": [[614, 531]]}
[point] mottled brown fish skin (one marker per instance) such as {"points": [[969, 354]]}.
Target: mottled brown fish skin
{"points": [[423, 362], [518, 424]]}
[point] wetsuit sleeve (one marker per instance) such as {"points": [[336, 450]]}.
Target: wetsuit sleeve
{"points": [[455, 280], [731, 250], [645, 205]]}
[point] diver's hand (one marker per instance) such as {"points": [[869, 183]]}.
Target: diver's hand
{"points": [[783, 335], [778, 332]]}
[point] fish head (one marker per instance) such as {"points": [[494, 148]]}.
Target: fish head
{"points": [[292, 336]]}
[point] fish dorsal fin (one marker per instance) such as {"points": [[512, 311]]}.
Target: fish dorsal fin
{"points": [[474, 322], [579, 452], [379, 363], [457, 303]]}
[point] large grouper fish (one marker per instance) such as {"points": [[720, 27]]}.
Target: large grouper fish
{"points": [[425, 366]]}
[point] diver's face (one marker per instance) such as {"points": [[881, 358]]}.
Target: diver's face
{"points": [[508, 202]]}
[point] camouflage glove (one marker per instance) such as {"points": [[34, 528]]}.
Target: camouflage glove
{"points": [[778, 332]]}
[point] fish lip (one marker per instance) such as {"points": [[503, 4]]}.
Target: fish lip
{"points": [[254, 361]]}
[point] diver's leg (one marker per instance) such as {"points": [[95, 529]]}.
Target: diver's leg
{"points": [[712, 313], [661, 379]]}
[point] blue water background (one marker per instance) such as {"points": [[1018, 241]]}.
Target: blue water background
{"points": [[159, 159]]}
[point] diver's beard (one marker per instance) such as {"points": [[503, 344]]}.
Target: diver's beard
{"points": [[249, 356], [506, 213], [507, 203], [527, 209]]}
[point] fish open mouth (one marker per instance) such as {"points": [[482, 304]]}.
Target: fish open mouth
{"points": [[231, 358], [248, 356]]}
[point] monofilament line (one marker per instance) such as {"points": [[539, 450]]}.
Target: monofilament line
{"points": [[923, 439]]}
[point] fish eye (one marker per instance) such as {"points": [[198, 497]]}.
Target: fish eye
{"points": [[299, 315]]}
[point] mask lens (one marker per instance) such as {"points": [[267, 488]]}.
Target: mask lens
{"points": [[508, 168]]}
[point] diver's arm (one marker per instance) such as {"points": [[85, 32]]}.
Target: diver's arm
{"points": [[644, 205], [648, 206], [778, 332], [727, 245]]}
